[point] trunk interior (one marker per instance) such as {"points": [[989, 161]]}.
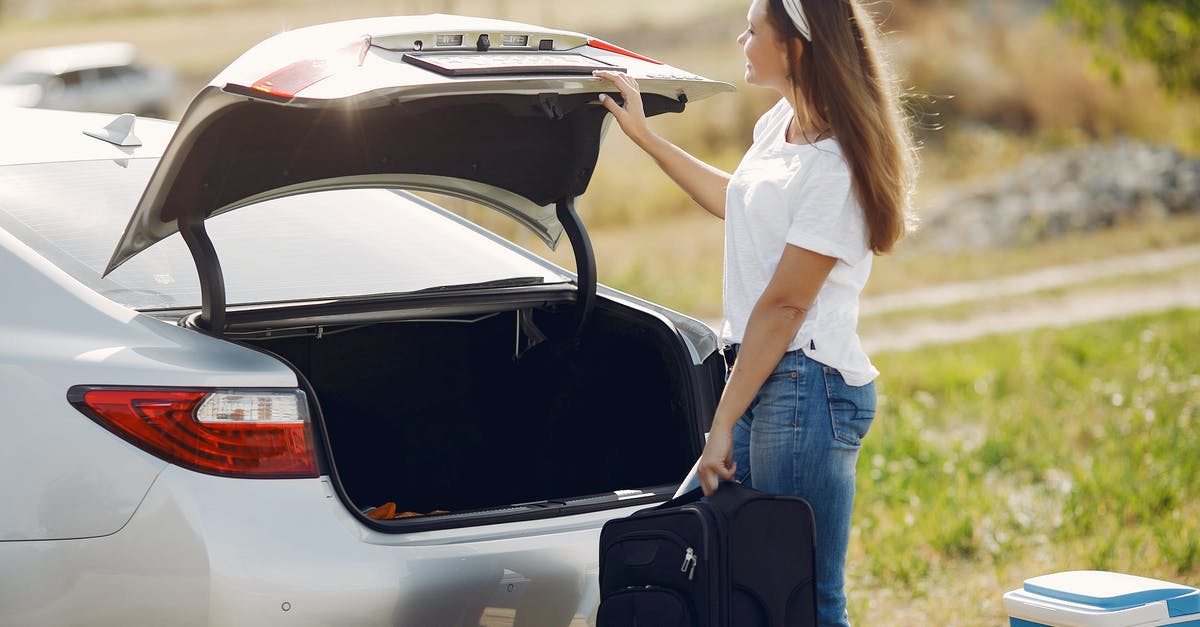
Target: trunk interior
{"points": [[444, 415]]}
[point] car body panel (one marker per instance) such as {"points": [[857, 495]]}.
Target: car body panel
{"points": [[42, 136], [98, 479], [208, 551], [370, 75]]}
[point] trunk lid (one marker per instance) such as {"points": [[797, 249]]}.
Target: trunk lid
{"points": [[502, 113]]}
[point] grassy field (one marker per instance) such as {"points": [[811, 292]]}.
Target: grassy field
{"points": [[1008, 457]]}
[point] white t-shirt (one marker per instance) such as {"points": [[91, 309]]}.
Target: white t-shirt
{"points": [[783, 194]]}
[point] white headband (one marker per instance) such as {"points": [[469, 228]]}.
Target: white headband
{"points": [[796, 12]]}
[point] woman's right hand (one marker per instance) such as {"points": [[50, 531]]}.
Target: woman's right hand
{"points": [[631, 117], [716, 462]]}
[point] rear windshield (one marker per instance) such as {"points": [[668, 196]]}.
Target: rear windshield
{"points": [[320, 245]]}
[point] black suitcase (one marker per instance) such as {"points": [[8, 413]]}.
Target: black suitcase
{"points": [[740, 558]]}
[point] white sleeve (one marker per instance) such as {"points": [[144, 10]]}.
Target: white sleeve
{"points": [[825, 215]]}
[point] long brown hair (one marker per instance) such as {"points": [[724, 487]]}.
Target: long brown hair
{"points": [[841, 79]]}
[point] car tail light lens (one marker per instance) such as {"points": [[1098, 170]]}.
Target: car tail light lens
{"points": [[604, 45], [289, 80], [235, 433]]}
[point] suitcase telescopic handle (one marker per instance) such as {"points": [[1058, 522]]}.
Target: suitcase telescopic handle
{"points": [[728, 493]]}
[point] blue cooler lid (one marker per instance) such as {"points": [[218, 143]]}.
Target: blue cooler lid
{"points": [[1114, 591]]}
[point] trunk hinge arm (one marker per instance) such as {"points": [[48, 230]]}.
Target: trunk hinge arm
{"points": [[585, 259], [212, 281]]}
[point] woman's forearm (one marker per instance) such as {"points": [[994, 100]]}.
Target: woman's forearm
{"points": [[777, 316], [703, 182], [769, 330]]}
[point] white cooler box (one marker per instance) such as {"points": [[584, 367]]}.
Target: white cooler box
{"points": [[1092, 598]]}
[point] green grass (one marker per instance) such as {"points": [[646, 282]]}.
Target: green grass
{"points": [[1018, 454]]}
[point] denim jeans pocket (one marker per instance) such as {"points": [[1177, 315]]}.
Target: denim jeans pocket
{"points": [[851, 408]]}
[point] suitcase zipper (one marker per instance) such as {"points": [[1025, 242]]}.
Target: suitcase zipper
{"points": [[689, 564]]}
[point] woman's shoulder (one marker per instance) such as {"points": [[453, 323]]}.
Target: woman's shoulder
{"points": [[825, 157], [821, 166]]}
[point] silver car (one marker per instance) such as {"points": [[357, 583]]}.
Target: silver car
{"points": [[102, 76], [249, 377]]}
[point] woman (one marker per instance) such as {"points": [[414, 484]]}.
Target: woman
{"points": [[825, 185]]}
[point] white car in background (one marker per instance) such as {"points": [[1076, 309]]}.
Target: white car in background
{"points": [[249, 378], [105, 76]]}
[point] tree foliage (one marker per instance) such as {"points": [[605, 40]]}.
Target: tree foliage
{"points": [[1164, 32]]}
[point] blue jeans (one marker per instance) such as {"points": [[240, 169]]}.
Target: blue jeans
{"points": [[800, 436]]}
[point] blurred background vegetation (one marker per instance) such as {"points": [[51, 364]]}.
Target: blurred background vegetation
{"points": [[994, 459]]}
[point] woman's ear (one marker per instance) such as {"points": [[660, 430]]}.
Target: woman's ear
{"points": [[795, 47]]}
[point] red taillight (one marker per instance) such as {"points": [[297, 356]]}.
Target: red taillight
{"points": [[604, 45], [246, 435], [287, 81]]}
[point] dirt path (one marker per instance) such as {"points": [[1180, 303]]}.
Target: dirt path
{"points": [[1072, 301]]}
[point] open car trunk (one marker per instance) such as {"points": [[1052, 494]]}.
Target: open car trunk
{"points": [[528, 408], [463, 416]]}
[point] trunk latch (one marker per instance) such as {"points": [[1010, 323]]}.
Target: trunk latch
{"points": [[550, 106]]}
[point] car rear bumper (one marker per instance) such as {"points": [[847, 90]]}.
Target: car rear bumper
{"points": [[205, 550]]}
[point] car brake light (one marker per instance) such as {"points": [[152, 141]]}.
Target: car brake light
{"points": [[289, 80], [604, 45], [237, 433]]}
